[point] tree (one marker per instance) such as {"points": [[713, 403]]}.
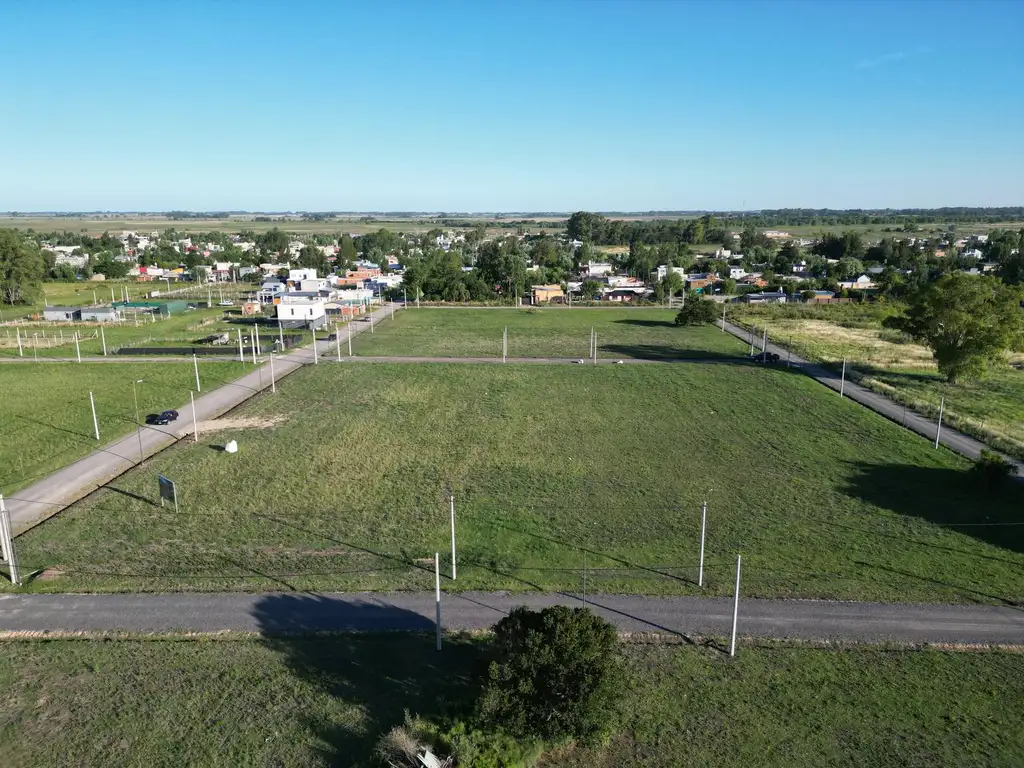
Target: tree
{"points": [[697, 312], [557, 675], [347, 253], [967, 321], [848, 269], [21, 267], [590, 289], [273, 242], [64, 272], [312, 257]]}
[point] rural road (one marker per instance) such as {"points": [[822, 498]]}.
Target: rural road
{"points": [[952, 439], [687, 616], [34, 504]]}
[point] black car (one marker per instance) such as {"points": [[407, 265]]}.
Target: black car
{"points": [[766, 357], [162, 418]]}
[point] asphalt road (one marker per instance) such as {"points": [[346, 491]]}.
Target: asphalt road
{"points": [[955, 441], [684, 616], [34, 504]]}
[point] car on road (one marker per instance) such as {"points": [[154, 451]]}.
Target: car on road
{"points": [[165, 417], [225, 303], [766, 357]]}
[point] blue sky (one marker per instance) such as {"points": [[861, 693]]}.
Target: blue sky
{"points": [[510, 106]]}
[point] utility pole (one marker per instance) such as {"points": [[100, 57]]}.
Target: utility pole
{"points": [[337, 339], [437, 596], [241, 352], [703, 528], [504, 344], [195, 420], [95, 423], [764, 341], [280, 334], [195, 364], [753, 328], [273, 384], [348, 333], [7, 544], [252, 338], [78, 349], [138, 423], [735, 608], [451, 501], [21, 352], [103, 341], [723, 317], [842, 381], [938, 430], [316, 360]]}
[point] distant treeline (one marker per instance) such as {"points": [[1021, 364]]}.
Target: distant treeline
{"points": [[795, 217]]}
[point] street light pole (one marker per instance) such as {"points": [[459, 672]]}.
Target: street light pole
{"points": [[138, 424]]}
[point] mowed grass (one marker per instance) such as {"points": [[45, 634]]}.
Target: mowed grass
{"points": [[47, 421], [342, 482], [990, 409], [565, 333], [326, 700]]}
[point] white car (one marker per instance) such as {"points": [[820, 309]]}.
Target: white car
{"points": [[225, 303]]}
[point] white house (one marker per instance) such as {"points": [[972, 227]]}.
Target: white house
{"points": [[861, 283], [595, 269], [303, 310], [298, 275], [664, 269], [100, 314], [736, 273]]}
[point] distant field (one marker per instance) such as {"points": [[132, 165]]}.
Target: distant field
{"points": [[44, 409], [991, 408], [326, 701], [97, 226], [342, 479], [621, 333]]}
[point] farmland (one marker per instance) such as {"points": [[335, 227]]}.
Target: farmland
{"points": [[343, 477], [45, 412], [326, 701], [647, 333], [991, 409]]}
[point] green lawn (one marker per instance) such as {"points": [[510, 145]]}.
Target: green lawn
{"points": [[565, 333], [47, 423], [341, 484], [326, 700], [990, 409]]}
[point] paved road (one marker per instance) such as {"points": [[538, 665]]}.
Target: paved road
{"points": [[952, 439], [538, 360], [687, 616], [34, 504]]}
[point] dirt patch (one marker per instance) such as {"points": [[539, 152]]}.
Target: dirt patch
{"points": [[49, 574], [250, 422]]}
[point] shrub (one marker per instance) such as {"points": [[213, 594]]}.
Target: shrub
{"points": [[697, 312], [993, 470], [557, 675]]}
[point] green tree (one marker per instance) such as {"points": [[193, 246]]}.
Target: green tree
{"points": [[311, 257], [557, 675], [697, 311], [273, 242], [347, 253], [967, 321], [21, 267], [591, 289]]}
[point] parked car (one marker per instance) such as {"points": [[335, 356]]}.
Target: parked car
{"points": [[766, 357], [166, 417]]}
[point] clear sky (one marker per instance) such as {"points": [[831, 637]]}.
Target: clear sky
{"points": [[520, 106]]}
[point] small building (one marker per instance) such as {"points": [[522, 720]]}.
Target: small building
{"points": [[596, 269], [303, 310], [764, 297], [62, 314], [162, 308], [100, 315], [546, 293], [251, 308]]}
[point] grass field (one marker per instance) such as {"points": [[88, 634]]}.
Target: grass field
{"points": [[991, 409], [47, 422], [326, 701], [342, 482], [75, 294], [564, 333]]}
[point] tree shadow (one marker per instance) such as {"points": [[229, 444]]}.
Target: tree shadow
{"points": [[380, 675], [648, 323], [953, 499]]}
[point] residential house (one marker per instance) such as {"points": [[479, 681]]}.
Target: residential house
{"points": [[663, 270], [596, 269], [624, 295], [100, 315], [862, 283], [547, 293], [764, 297], [307, 311], [62, 314]]}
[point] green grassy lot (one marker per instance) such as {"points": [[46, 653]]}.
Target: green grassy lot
{"points": [[342, 483], [47, 423], [990, 409], [326, 701], [635, 333], [73, 294]]}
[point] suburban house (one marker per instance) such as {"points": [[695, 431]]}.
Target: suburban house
{"points": [[764, 297], [862, 283], [664, 269], [100, 314], [596, 269], [307, 311], [623, 295], [58, 314], [545, 293]]}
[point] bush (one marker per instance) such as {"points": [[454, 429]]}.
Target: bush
{"points": [[557, 675], [697, 312], [993, 470]]}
